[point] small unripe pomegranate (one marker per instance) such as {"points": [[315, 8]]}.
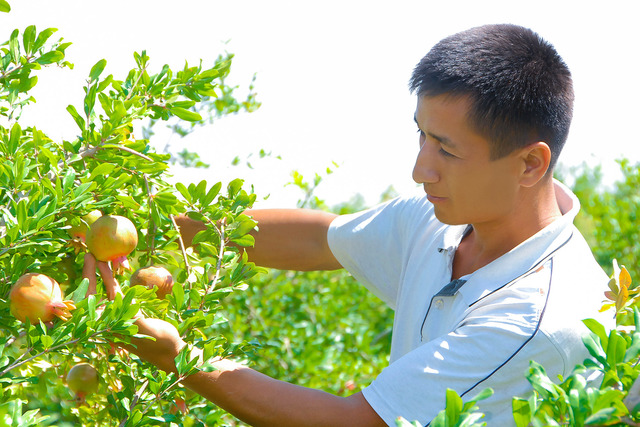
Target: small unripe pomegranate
{"points": [[82, 379], [80, 231], [36, 296], [179, 405], [153, 276], [112, 238]]}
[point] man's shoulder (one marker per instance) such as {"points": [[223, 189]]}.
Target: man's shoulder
{"points": [[577, 283], [576, 260]]}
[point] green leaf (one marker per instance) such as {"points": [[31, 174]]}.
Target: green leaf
{"points": [[4, 6], [97, 69], [29, 38], [185, 193], [234, 187], [484, 394], [14, 138], [211, 194], [521, 412], [81, 291], [102, 169], [454, 407], [615, 348], [128, 201], [50, 57], [46, 341], [43, 37], [595, 349], [68, 180], [245, 241], [184, 114], [601, 417], [21, 213], [14, 46], [178, 294], [78, 119], [165, 198], [598, 329]]}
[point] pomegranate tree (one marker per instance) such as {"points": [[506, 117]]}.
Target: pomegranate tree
{"points": [[106, 166], [82, 379], [112, 238], [153, 276], [37, 296]]}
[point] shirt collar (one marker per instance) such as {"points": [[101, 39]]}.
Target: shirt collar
{"points": [[521, 258]]}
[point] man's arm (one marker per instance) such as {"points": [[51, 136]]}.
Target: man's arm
{"points": [[247, 394], [260, 400], [287, 239]]}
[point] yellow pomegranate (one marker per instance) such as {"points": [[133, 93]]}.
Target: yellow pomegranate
{"points": [[112, 238], [153, 276], [37, 296]]}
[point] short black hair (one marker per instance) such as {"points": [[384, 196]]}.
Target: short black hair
{"points": [[520, 88]]}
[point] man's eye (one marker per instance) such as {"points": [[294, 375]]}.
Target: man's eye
{"points": [[445, 153]]}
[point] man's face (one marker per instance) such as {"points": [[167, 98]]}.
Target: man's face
{"points": [[454, 166]]}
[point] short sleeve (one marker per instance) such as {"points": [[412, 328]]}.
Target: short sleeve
{"points": [[373, 245]]}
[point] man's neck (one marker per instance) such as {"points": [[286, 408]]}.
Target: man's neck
{"points": [[489, 241]]}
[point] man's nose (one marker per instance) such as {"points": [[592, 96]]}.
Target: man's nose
{"points": [[424, 171]]}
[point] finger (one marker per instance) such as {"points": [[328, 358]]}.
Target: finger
{"points": [[110, 283], [89, 272]]}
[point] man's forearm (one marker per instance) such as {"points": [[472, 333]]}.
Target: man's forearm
{"points": [[260, 400], [287, 239], [292, 239], [249, 395]]}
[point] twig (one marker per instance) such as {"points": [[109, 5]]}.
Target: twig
{"points": [[64, 344], [90, 152], [151, 235], [162, 393], [135, 400], [181, 242], [127, 149], [142, 71], [219, 262]]}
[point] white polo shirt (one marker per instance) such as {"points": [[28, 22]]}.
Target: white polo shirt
{"points": [[477, 332]]}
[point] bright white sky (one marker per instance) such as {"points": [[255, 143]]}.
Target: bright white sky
{"points": [[332, 77]]}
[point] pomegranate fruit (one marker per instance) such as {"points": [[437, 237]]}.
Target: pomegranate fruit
{"points": [[80, 231], [179, 405], [82, 379], [153, 276], [112, 238], [36, 296]]}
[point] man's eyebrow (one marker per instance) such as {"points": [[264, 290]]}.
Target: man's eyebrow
{"points": [[441, 139]]}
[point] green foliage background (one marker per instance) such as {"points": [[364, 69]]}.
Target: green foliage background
{"points": [[316, 329]]}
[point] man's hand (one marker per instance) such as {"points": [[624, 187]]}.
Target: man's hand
{"points": [[167, 342]]}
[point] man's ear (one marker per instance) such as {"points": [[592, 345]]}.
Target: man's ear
{"points": [[535, 159]]}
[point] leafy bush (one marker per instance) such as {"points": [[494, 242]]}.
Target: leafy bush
{"points": [[47, 186]]}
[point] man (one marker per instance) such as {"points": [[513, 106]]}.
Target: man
{"points": [[485, 273]]}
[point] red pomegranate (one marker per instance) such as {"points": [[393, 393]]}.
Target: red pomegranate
{"points": [[80, 231], [82, 379], [112, 238], [153, 276], [36, 296]]}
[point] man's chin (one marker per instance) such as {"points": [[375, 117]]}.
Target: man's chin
{"points": [[444, 218]]}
